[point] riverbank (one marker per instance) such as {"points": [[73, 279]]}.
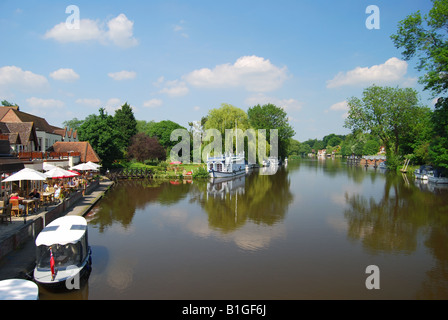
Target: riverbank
{"points": [[17, 249]]}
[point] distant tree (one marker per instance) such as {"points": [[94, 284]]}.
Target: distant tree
{"points": [[6, 103], [270, 117], [371, 147], [74, 123], [143, 148], [226, 117], [294, 147], [100, 131], [126, 124]]}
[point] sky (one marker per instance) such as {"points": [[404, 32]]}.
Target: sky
{"points": [[176, 60]]}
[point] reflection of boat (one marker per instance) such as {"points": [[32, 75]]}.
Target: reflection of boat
{"points": [[63, 253], [222, 186], [423, 172], [438, 179], [229, 165], [266, 163]]}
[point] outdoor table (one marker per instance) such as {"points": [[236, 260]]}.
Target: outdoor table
{"points": [[18, 289], [27, 202], [47, 196]]}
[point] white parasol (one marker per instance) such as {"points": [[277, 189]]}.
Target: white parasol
{"points": [[96, 165], [26, 174], [48, 166], [84, 167], [59, 173]]}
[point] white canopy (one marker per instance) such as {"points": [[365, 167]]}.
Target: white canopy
{"points": [[26, 174], [84, 167], [96, 165], [64, 230], [60, 173], [48, 166]]}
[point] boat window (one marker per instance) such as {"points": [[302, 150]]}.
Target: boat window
{"points": [[64, 255]]}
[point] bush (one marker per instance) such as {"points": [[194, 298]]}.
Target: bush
{"points": [[201, 172]]}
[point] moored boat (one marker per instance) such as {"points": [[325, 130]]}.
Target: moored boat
{"points": [[228, 165], [63, 252]]}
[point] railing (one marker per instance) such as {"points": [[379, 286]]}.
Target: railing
{"points": [[116, 174], [47, 155]]}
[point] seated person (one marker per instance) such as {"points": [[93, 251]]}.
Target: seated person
{"points": [[15, 196], [34, 194]]}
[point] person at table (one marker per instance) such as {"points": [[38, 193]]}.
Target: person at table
{"points": [[15, 196], [34, 194]]}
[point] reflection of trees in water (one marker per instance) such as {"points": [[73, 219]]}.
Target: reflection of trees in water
{"points": [[393, 225], [265, 201], [121, 202]]}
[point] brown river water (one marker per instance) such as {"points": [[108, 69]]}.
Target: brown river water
{"points": [[308, 232]]}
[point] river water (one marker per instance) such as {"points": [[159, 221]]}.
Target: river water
{"points": [[308, 232]]}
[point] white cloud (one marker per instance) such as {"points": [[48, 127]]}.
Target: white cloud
{"points": [[44, 103], [119, 32], [285, 104], [153, 103], [180, 29], [88, 30], [122, 75], [64, 75], [393, 70], [112, 105], [340, 106], [14, 78], [251, 72], [173, 88], [95, 103]]}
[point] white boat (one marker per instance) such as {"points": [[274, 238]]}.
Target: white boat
{"points": [[228, 165], [275, 161], [63, 252], [423, 173]]}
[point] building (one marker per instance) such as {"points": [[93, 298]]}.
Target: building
{"points": [[82, 147], [46, 134]]}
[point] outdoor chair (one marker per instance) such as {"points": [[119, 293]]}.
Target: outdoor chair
{"points": [[16, 207], [6, 214]]}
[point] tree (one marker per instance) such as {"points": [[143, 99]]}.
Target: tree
{"points": [[270, 117], [143, 148], [100, 131], [294, 147], [426, 39], [162, 131], [126, 124], [387, 113], [226, 117], [6, 103], [74, 123]]}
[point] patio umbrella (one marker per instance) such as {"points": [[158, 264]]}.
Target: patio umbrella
{"points": [[96, 165], [59, 173], [48, 166], [83, 167], [26, 174]]}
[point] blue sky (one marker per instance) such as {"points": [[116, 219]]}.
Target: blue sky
{"points": [[177, 60]]}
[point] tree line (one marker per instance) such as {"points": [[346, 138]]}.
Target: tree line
{"points": [[121, 138]]}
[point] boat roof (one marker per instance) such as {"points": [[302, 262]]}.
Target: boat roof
{"points": [[64, 230]]}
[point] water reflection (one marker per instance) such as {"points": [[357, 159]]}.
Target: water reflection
{"points": [[261, 199], [395, 223]]}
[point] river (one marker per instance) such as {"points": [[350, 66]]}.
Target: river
{"points": [[310, 231]]}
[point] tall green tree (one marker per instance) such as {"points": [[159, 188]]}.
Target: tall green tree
{"points": [[74, 123], [226, 117], [126, 124], [100, 131], [162, 131], [425, 38], [387, 113], [268, 117]]}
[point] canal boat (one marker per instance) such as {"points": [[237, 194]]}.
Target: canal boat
{"points": [[437, 178], [228, 165], [63, 252]]}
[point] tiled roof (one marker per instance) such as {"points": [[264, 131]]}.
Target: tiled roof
{"points": [[83, 147], [40, 123], [19, 132]]}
